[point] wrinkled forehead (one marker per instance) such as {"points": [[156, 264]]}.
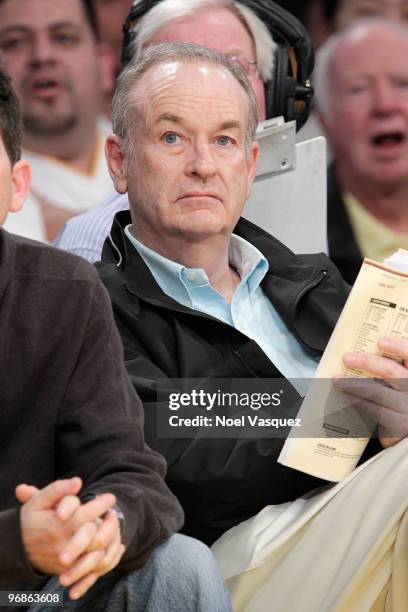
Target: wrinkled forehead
{"points": [[197, 82]]}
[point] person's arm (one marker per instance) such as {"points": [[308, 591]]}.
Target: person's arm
{"points": [[100, 438]]}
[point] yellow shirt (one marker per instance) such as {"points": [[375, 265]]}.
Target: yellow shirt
{"points": [[373, 238]]}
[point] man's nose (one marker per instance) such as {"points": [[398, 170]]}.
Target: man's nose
{"points": [[202, 162], [42, 49], [385, 98]]}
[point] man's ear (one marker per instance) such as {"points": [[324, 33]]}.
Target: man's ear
{"points": [[251, 163], [116, 162], [21, 183]]}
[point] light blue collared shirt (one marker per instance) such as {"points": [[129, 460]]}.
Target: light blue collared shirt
{"points": [[250, 311]]}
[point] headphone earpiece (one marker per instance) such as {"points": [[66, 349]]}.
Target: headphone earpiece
{"points": [[284, 95], [289, 93]]}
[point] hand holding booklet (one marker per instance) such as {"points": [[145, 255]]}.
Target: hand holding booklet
{"points": [[334, 433]]}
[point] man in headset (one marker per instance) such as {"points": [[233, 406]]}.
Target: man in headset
{"points": [[229, 26]]}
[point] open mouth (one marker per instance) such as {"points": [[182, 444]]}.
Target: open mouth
{"points": [[389, 139], [45, 86]]}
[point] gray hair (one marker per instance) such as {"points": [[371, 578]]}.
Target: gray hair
{"points": [[123, 103], [168, 11], [324, 57]]}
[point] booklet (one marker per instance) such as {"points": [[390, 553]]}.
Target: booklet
{"points": [[334, 434]]}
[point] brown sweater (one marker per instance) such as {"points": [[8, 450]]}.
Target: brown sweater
{"points": [[66, 405]]}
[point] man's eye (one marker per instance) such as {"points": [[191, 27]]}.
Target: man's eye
{"points": [[402, 82], [67, 40], [12, 44], [223, 141], [171, 138], [357, 89]]}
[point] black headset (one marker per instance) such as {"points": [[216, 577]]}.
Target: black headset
{"points": [[289, 93]]}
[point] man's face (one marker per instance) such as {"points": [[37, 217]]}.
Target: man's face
{"points": [[351, 10], [190, 173], [368, 123], [52, 58], [219, 29]]}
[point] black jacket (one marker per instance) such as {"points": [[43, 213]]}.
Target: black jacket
{"points": [[343, 248], [67, 408], [225, 481]]}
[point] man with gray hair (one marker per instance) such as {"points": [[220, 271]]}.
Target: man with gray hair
{"points": [[362, 96], [198, 292], [225, 25]]}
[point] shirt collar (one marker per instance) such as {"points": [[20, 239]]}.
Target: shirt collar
{"points": [[248, 261], [174, 279]]}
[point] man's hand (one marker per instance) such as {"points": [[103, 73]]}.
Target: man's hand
{"points": [[386, 403], [53, 517], [95, 560]]}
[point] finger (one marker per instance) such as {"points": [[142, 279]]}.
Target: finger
{"points": [[395, 345], [369, 388], [94, 509], [87, 564], [67, 506], [379, 366], [393, 424], [112, 556], [107, 532], [78, 544], [25, 492], [50, 495], [82, 586]]}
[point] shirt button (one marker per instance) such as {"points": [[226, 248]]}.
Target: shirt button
{"points": [[191, 276]]}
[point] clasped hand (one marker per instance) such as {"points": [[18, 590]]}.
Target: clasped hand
{"points": [[62, 536]]}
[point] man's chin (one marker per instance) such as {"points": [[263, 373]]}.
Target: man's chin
{"points": [[51, 124], [200, 229]]}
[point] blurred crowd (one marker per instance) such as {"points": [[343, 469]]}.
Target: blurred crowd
{"points": [[64, 59]]}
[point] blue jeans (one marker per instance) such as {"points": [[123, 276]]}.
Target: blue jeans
{"points": [[181, 576]]}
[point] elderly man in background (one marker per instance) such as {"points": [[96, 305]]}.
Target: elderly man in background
{"points": [[223, 25], [59, 71], [362, 96], [198, 292], [81, 493]]}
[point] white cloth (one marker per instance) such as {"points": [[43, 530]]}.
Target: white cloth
{"points": [[63, 186], [344, 549]]}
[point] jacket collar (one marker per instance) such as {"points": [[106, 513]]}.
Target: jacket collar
{"points": [[288, 275]]}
